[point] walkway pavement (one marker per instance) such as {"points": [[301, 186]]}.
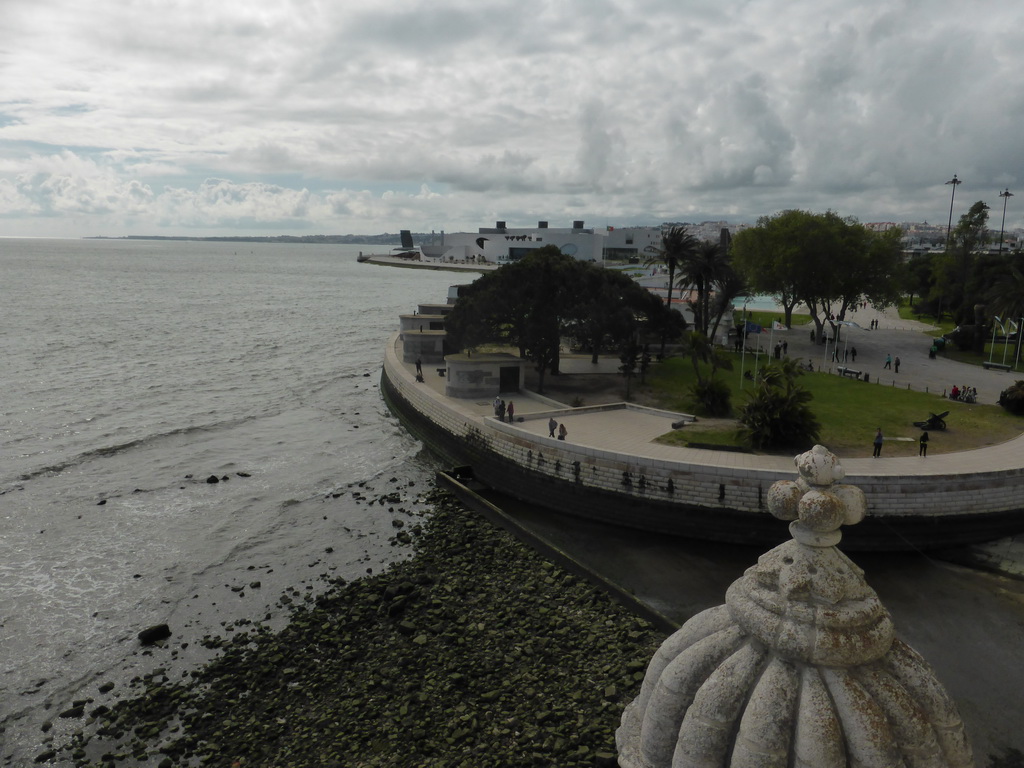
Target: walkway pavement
{"points": [[630, 433], [900, 338]]}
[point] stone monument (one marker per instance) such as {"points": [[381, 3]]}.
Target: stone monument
{"points": [[800, 667]]}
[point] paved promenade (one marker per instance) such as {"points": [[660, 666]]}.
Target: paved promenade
{"points": [[626, 433], [900, 338]]}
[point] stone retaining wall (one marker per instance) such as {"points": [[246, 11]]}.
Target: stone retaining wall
{"points": [[929, 498]]}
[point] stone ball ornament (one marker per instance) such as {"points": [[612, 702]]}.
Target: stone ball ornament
{"points": [[801, 668]]}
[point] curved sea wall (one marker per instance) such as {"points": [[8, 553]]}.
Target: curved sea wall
{"points": [[717, 495]]}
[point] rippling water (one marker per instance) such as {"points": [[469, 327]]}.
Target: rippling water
{"points": [[131, 372]]}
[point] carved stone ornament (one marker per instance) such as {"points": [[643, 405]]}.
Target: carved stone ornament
{"points": [[800, 667]]}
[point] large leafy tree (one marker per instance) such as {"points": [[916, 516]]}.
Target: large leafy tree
{"points": [[956, 284], [609, 306], [533, 302], [821, 260], [677, 246], [916, 278], [771, 256]]}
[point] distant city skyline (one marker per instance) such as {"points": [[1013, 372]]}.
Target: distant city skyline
{"points": [[241, 118]]}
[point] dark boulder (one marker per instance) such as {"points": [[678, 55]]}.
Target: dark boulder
{"points": [[213, 479], [154, 633]]}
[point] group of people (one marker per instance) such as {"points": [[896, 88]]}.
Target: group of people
{"points": [[922, 444], [890, 362], [553, 425], [874, 325], [846, 354], [963, 394], [501, 410]]}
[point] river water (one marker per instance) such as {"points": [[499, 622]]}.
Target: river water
{"points": [[132, 371]]}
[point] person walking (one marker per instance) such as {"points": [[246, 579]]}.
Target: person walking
{"points": [[897, 363], [511, 411], [878, 444], [888, 362], [419, 367], [853, 354], [922, 444], [562, 431], [552, 426], [501, 411]]}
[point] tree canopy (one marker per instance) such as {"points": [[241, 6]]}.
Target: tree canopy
{"points": [[822, 260], [958, 284], [535, 301]]}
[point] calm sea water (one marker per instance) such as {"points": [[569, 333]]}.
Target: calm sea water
{"points": [[131, 372]]}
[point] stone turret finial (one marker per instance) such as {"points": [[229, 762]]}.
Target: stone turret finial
{"points": [[801, 666], [816, 504]]}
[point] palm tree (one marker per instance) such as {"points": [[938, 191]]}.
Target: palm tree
{"points": [[728, 288], [1006, 297], [705, 266], [677, 246]]}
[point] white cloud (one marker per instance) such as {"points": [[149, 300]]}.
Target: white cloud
{"points": [[335, 116]]}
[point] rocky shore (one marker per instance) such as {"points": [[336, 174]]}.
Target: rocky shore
{"points": [[474, 652]]}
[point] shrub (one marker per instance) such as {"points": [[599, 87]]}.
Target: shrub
{"points": [[1012, 398], [778, 414], [713, 396]]}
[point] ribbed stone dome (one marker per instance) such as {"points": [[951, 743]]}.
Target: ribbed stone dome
{"points": [[800, 667]]}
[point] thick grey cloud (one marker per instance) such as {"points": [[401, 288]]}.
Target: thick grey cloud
{"points": [[372, 115]]}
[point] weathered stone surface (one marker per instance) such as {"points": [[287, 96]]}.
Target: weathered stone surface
{"points": [[800, 667]]}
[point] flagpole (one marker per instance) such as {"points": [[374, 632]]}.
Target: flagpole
{"points": [[743, 349], [757, 354], [1016, 355], [1006, 339]]}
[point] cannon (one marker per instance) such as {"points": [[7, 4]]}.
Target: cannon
{"points": [[935, 421]]}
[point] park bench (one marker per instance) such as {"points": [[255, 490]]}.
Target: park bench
{"points": [[997, 366], [844, 371]]}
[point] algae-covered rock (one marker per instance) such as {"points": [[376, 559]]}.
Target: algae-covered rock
{"points": [[475, 651]]}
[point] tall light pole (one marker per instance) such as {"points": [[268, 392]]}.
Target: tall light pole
{"points": [[954, 181], [1006, 196]]}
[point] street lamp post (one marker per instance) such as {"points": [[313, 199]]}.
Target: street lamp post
{"points": [[954, 181], [1006, 196]]}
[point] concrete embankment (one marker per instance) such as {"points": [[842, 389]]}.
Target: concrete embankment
{"points": [[610, 470], [382, 260]]}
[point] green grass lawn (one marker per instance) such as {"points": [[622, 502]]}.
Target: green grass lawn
{"points": [[849, 412], [906, 312], [764, 319]]}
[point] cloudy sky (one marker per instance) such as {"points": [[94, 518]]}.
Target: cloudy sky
{"points": [[218, 117]]}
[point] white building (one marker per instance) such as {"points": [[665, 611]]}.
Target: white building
{"points": [[501, 244]]}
